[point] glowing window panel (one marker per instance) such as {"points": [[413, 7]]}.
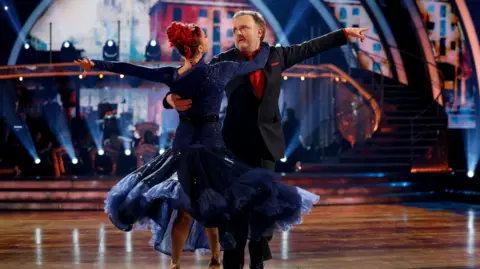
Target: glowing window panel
{"points": [[369, 51]]}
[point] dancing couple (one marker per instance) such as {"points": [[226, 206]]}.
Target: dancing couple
{"points": [[208, 190]]}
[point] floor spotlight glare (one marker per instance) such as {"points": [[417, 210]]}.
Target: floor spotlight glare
{"points": [[75, 161], [101, 152], [128, 152], [37, 161], [470, 174]]}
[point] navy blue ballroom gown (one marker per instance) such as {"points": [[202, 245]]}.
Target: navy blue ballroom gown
{"points": [[198, 174]]}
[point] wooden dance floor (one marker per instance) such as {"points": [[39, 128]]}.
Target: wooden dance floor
{"points": [[437, 235]]}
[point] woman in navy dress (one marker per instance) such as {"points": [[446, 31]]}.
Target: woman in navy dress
{"points": [[189, 193]]}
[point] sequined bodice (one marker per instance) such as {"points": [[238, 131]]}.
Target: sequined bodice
{"points": [[202, 85]]}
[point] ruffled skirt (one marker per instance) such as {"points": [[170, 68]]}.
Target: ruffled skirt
{"points": [[211, 186]]}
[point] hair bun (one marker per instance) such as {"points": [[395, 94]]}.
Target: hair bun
{"points": [[179, 34], [184, 37]]}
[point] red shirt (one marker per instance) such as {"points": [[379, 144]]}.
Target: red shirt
{"points": [[257, 78]]}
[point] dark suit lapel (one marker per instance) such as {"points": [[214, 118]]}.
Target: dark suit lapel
{"points": [[266, 71], [240, 58]]}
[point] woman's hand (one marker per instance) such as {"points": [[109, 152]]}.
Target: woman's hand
{"points": [[85, 64]]}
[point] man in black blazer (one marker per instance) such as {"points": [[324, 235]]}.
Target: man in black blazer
{"points": [[252, 128]]}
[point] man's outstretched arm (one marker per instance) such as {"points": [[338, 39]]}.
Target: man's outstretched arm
{"points": [[291, 55]]}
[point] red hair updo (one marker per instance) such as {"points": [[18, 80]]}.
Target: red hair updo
{"points": [[185, 38]]}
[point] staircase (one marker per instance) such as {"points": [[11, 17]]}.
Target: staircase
{"points": [[89, 193], [409, 127]]}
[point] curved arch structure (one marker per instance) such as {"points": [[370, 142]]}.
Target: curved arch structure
{"points": [[471, 36], [43, 6], [333, 24], [26, 29], [427, 48], [390, 39], [354, 13]]}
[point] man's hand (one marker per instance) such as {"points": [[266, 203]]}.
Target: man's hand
{"points": [[356, 32], [178, 104]]}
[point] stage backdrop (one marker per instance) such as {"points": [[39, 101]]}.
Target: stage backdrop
{"points": [[88, 24]]}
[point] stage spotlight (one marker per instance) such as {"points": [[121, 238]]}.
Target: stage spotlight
{"points": [[28, 54], [101, 152], [20, 78], [68, 52], [128, 152], [162, 151], [470, 174], [75, 161], [37, 161], [284, 159], [285, 77], [5, 7], [302, 78], [122, 75], [152, 51], [110, 51]]}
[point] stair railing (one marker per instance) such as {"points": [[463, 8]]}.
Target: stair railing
{"points": [[414, 137], [376, 87]]}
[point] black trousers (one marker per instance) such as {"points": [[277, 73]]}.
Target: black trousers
{"points": [[259, 250]]}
